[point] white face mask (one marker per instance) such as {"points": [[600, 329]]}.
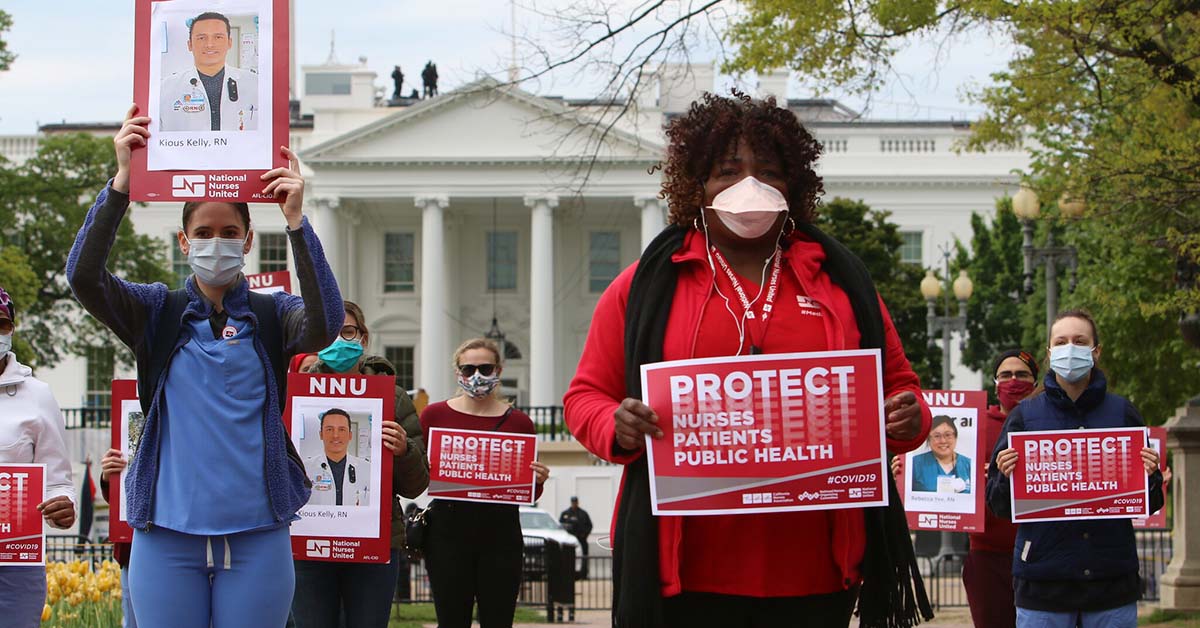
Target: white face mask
{"points": [[749, 207], [1071, 362], [216, 261], [5, 344]]}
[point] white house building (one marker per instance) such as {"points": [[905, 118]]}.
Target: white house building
{"points": [[441, 215], [489, 207]]}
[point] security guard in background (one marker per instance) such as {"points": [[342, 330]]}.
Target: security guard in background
{"points": [[211, 96], [338, 478]]}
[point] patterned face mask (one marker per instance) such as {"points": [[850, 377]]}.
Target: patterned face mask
{"points": [[478, 385]]}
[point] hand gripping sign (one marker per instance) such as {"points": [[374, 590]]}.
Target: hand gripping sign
{"points": [[944, 479], [1079, 474], [477, 466], [216, 92], [335, 423], [767, 433], [1158, 520], [22, 488]]}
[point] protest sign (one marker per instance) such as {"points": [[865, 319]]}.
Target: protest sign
{"points": [[127, 424], [944, 478], [1079, 474], [767, 433], [22, 488], [212, 75], [270, 283], [478, 466], [335, 423]]}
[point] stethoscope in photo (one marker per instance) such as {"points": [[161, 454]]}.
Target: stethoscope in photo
{"points": [[350, 473]]}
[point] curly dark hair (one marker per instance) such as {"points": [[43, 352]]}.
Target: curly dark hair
{"points": [[710, 130]]}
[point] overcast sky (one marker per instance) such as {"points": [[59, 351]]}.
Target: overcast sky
{"points": [[79, 69]]}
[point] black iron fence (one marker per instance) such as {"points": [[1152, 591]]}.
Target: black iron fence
{"points": [[77, 418], [64, 548]]}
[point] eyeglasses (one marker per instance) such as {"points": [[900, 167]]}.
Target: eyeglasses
{"points": [[350, 332], [943, 436], [1004, 376], [467, 370]]}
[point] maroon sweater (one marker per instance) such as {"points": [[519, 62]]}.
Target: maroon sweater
{"points": [[441, 415]]}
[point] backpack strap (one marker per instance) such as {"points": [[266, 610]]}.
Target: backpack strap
{"points": [[162, 344], [270, 333]]}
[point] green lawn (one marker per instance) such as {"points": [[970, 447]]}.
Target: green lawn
{"points": [[1172, 619], [417, 615]]}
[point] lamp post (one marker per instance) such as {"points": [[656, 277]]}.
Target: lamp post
{"points": [[1027, 207], [931, 289]]}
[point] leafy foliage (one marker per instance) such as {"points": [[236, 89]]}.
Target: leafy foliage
{"points": [[45, 200], [6, 55], [876, 241]]}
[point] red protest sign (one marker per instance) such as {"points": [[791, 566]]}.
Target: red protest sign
{"points": [[127, 424], [216, 92], [269, 283], [22, 488], [944, 479], [1158, 520], [478, 466], [767, 433], [1079, 474], [335, 423]]}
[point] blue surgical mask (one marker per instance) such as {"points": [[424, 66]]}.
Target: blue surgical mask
{"points": [[6, 343], [216, 261], [1071, 362], [342, 355]]}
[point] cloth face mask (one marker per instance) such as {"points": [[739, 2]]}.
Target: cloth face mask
{"points": [[478, 385]]}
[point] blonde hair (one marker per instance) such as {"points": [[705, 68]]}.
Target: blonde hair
{"points": [[486, 344], [477, 343]]}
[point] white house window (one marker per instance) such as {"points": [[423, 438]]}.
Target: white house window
{"points": [[604, 259], [398, 253], [402, 359], [910, 249], [327, 84], [502, 260], [99, 377], [272, 252]]}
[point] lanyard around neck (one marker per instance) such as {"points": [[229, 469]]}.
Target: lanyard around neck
{"points": [[760, 322]]}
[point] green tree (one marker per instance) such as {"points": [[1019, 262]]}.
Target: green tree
{"points": [[876, 241], [45, 200], [1106, 97], [1107, 90], [6, 55]]}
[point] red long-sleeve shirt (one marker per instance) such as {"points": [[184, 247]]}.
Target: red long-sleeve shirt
{"points": [[762, 555]]}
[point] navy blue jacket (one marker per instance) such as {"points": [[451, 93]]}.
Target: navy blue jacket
{"points": [[132, 310], [1083, 552]]}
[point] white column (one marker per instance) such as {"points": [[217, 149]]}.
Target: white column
{"points": [[542, 388], [349, 221], [434, 375], [327, 224], [653, 221]]}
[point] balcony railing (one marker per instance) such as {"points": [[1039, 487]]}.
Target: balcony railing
{"points": [[548, 420]]}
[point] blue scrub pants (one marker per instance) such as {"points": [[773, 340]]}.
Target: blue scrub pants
{"points": [[126, 601], [1119, 617], [22, 595], [242, 580]]}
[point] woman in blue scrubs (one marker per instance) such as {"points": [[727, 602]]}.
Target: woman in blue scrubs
{"points": [[942, 469]]}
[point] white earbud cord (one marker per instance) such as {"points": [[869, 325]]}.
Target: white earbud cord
{"points": [[739, 322]]}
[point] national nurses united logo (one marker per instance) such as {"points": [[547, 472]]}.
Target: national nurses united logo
{"points": [[187, 185]]}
